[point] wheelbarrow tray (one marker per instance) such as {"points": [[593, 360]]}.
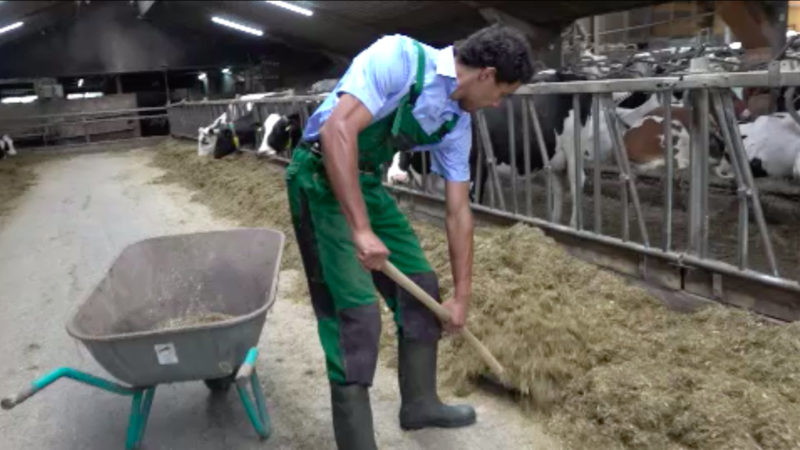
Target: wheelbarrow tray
{"points": [[152, 282]]}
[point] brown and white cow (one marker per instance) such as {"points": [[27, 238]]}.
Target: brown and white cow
{"points": [[645, 142]]}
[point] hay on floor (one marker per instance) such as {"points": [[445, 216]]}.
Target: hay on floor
{"points": [[240, 187], [605, 364], [608, 363], [16, 176]]}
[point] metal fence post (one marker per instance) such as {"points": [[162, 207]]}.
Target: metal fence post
{"points": [[526, 152], [669, 161], [512, 148], [626, 174], [598, 211], [698, 188], [742, 190], [577, 189], [548, 170], [752, 188], [491, 161]]}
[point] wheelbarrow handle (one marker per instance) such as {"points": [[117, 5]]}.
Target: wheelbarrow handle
{"points": [[444, 315], [66, 372], [19, 397]]}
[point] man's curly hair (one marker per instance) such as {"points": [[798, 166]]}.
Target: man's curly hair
{"points": [[501, 47]]}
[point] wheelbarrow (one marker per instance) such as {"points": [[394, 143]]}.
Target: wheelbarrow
{"points": [[138, 322]]}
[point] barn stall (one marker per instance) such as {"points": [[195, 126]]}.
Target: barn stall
{"points": [[592, 354]]}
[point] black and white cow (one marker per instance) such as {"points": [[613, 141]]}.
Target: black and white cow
{"points": [[7, 146], [772, 145], [281, 134], [277, 134], [207, 136]]}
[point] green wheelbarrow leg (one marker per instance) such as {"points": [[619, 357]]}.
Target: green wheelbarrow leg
{"points": [[258, 415], [140, 405], [140, 412]]}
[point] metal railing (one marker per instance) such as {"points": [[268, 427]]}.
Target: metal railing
{"points": [[83, 126], [709, 96]]}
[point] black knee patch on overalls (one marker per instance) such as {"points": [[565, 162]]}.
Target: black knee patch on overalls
{"points": [[417, 322], [359, 333]]}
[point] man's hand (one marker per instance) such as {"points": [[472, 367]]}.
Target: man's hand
{"points": [[458, 315], [370, 250]]}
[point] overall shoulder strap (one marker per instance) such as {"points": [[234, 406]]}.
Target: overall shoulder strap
{"points": [[416, 88]]}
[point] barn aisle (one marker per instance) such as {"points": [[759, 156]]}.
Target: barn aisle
{"points": [[58, 243]]}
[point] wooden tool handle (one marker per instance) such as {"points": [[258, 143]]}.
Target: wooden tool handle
{"points": [[444, 315]]}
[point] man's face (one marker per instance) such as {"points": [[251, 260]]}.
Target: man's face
{"points": [[484, 91]]}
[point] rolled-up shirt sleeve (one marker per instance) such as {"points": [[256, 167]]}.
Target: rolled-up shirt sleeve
{"points": [[376, 73], [450, 158]]}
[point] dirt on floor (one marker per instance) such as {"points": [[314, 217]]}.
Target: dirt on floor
{"points": [[17, 174], [239, 187], [600, 360]]}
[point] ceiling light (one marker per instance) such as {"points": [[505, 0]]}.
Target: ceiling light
{"points": [[80, 95], [237, 26], [80, 82], [202, 76], [293, 8], [13, 26], [226, 71], [23, 99]]}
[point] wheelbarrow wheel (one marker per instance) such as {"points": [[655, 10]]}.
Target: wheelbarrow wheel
{"points": [[220, 384]]}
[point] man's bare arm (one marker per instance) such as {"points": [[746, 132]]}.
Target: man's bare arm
{"points": [[339, 138], [460, 227]]}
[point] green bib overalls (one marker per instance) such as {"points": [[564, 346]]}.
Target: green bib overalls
{"points": [[342, 291]]}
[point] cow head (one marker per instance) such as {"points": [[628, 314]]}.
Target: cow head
{"points": [[226, 142], [206, 140], [397, 173], [281, 134], [207, 136]]}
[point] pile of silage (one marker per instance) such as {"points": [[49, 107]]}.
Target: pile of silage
{"points": [[605, 363], [609, 365]]}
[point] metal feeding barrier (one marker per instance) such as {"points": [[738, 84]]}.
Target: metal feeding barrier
{"points": [[186, 117], [692, 268], [710, 96], [85, 126]]}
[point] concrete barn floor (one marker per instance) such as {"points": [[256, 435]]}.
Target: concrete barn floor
{"points": [[57, 245]]}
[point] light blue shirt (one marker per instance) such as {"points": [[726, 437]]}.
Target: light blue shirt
{"points": [[383, 73]]}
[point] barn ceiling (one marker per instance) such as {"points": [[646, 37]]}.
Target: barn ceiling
{"points": [[336, 28]]}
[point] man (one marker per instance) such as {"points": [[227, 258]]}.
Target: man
{"points": [[397, 95]]}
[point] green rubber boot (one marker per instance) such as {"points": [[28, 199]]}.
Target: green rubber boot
{"points": [[352, 417], [420, 405]]}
